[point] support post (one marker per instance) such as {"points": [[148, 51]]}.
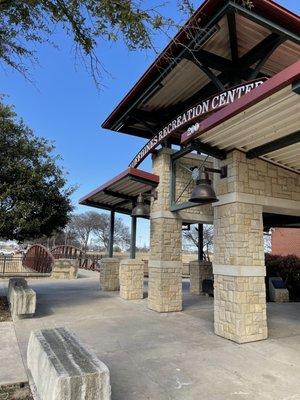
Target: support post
{"points": [[200, 242], [133, 238], [111, 234]]}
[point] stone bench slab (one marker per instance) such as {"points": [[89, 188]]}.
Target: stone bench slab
{"points": [[21, 298], [63, 369]]}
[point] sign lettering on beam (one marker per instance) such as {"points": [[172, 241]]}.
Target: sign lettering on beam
{"points": [[207, 106]]}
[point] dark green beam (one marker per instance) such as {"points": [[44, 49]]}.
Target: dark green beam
{"points": [[260, 50], [103, 206], [207, 72], [111, 234], [116, 194], [274, 145], [200, 242], [232, 36], [133, 238], [200, 148], [273, 27]]}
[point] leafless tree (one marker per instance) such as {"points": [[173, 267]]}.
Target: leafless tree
{"points": [[102, 232], [83, 225], [191, 237]]}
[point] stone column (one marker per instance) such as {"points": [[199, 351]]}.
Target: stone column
{"points": [[239, 273], [165, 262], [199, 270], [131, 274], [65, 268], [109, 274]]}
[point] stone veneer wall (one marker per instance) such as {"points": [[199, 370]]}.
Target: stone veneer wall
{"points": [[199, 270], [262, 181], [202, 213], [109, 274], [240, 301], [252, 186], [65, 268], [165, 262], [131, 275]]}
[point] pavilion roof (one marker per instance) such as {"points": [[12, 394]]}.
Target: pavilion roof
{"points": [[120, 193], [222, 44], [263, 123]]}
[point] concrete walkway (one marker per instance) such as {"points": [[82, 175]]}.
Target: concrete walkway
{"points": [[171, 356], [11, 366]]}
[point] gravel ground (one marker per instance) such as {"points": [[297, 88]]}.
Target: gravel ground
{"points": [[15, 392]]}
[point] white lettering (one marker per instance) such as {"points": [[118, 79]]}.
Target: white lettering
{"points": [[205, 105], [230, 96], [239, 91], [198, 110], [249, 88], [213, 104], [222, 99]]}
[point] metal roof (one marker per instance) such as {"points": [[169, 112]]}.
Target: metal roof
{"points": [[175, 81], [120, 193], [264, 123]]}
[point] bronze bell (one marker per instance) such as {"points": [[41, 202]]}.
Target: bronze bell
{"points": [[203, 192], [141, 209]]}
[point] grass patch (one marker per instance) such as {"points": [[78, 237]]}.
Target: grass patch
{"points": [[4, 311]]}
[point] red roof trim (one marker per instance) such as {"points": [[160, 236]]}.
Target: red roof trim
{"points": [[267, 8], [274, 84], [127, 173]]}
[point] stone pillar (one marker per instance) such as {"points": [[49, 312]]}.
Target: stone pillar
{"points": [[65, 268], [165, 262], [239, 273], [131, 279], [109, 274], [199, 270]]}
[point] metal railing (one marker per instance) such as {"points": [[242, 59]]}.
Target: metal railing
{"points": [[16, 265]]}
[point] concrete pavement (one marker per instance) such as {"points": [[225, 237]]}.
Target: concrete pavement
{"points": [[171, 356], [12, 369]]}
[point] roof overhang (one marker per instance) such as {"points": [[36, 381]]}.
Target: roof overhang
{"points": [[271, 220], [120, 193], [229, 45], [263, 123]]}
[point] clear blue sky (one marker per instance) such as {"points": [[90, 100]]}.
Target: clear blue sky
{"points": [[65, 107]]}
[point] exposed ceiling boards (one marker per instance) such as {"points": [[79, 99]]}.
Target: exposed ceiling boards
{"points": [[182, 82], [270, 119]]}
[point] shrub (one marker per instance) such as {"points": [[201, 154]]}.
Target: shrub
{"points": [[288, 268]]}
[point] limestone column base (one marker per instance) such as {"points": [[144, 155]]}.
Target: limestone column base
{"points": [[65, 268], [109, 274], [131, 274], [240, 308], [199, 270], [165, 286]]}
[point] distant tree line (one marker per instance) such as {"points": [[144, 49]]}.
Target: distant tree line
{"points": [[89, 231]]}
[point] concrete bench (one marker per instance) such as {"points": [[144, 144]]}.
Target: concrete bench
{"points": [[63, 369], [21, 298], [277, 290]]}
